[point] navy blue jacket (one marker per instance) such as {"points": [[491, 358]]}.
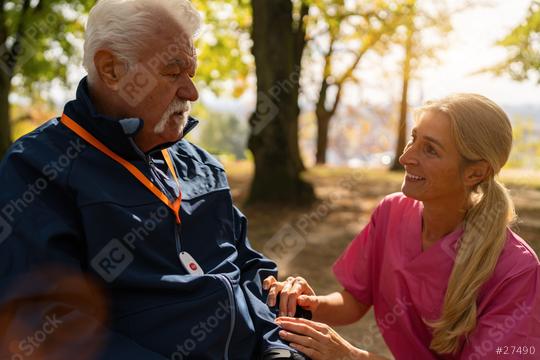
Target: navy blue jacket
{"points": [[89, 256]]}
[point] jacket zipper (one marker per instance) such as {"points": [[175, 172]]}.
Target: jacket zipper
{"points": [[222, 278], [230, 292], [177, 229], [149, 162]]}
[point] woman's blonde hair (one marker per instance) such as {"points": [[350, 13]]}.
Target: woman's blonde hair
{"points": [[482, 131]]}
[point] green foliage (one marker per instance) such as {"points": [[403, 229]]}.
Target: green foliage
{"points": [[523, 45], [526, 148], [225, 61], [426, 27], [46, 31]]}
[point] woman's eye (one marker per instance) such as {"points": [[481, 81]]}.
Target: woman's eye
{"points": [[431, 150]]}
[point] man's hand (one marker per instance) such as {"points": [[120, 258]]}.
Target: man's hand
{"points": [[293, 291]]}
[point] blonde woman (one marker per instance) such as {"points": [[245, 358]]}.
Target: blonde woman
{"points": [[446, 276]]}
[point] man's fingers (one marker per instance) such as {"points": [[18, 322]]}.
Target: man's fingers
{"points": [[295, 291], [275, 289], [269, 281], [290, 290], [284, 297], [291, 304]]}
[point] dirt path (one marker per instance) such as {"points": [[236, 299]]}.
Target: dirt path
{"points": [[307, 241]]}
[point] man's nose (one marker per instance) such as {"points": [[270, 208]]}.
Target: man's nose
{"points": [[188, 91]]}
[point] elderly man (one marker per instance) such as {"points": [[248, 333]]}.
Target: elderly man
{"points": [[118, 239]]}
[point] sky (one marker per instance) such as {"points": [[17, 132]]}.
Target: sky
{"points": [[472, 48]]}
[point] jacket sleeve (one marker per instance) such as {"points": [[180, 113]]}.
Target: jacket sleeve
{"points": [[49, 307], [254, 269]]}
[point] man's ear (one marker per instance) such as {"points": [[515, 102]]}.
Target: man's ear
{"points": [[109, 68], [476, 172]]}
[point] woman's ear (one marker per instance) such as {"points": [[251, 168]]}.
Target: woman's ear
{"points": [[109, 68], [476, 172]]}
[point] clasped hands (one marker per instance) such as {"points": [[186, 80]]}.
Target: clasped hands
{"points": [[315, 339]]}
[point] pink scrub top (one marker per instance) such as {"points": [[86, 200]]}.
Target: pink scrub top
{"points": [[385, 266]]}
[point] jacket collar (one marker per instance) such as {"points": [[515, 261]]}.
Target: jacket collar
{"points": [[116, 134]]}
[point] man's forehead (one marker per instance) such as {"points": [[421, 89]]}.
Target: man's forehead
{"points": [[178, 44], [174, 51]]}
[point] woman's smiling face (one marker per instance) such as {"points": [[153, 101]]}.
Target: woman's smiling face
{"points": [[432, 161]]}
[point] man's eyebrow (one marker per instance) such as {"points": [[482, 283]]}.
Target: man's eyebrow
{"points": [[180, 65]]}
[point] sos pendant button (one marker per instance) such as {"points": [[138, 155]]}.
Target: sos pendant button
{"points": [[189, 264]]}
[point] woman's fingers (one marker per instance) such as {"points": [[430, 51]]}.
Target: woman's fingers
{"points": [[298, 339], [303, 337], [291, 320], [316, 340], [310, 302], [315, 330]]}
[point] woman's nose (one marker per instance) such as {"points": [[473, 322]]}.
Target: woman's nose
{"points": [[408, 157]]}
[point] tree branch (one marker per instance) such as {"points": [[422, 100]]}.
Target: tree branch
{"points": [[337, 100], [14, 52], [301, 32], [327, 72]]}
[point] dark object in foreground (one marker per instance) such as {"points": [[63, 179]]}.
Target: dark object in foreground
{"points": [[300, 311], [282, 354]]}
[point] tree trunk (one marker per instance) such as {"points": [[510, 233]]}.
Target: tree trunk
{"points": [[324, 117], [402, 127], [323, 124], [6, 67], [5, 126], [277, 48], [7, 70]]}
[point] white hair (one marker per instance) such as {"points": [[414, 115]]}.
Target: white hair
{"points": [[124, 26]]}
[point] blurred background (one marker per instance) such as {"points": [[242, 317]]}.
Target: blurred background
{"points": [[308, 104]]}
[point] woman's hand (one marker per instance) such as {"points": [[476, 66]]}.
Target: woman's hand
{"points": [[318, 341], [294, 290]]}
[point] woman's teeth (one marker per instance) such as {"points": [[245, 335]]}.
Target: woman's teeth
{"points": [[414, 177]]}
